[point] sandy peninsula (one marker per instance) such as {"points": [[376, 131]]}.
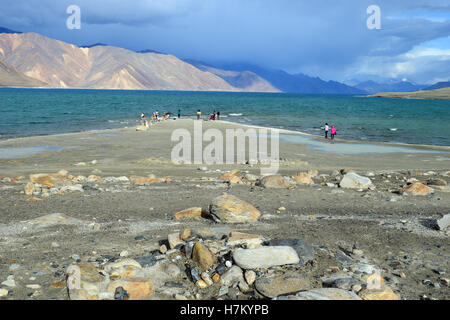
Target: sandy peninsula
{"points": [[437, 94]]}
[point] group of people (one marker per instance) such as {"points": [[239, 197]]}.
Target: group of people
{"points": [[155, 117], [332, 131], [214, 116]]}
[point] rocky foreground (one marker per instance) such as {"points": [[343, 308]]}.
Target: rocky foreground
{"points": [[239, 236]]}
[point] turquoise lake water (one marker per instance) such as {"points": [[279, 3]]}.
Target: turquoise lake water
{"points": [[27, 112]]}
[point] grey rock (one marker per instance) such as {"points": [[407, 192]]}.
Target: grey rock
{"points": [[272, 287], [345, 282], [304, 250], [223, 291], [265, 257], [147, 261], [232, 276], [443, 223], [322, 294]]}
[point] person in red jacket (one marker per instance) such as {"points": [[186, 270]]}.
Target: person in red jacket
{"points": [[333, 132]]}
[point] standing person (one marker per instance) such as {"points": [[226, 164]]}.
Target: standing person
{"points": [[199, 114], [143, 118], [157, 115], [326, 130], [333, 132], [179, 113], [218, 115]]}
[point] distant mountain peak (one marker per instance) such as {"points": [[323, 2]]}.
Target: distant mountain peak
{"points": [[438, 85], [95, 45], [402, 85], [150, 51], [6, 30]]}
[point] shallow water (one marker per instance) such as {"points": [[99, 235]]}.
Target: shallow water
{"points": [[347, 148], [20, 152]]}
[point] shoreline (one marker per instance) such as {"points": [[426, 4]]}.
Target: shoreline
{"points": [[281, 131]]}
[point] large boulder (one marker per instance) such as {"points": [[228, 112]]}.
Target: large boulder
{"points": [[231, 176], [303, 178], [85, 282], [383, 293], [203, 256], [274, 181], [231, 209], [47, 180], [265, 257], [194, 212], [137, 288], [322, 294], [249, 240], [352, 180], [417, 189], [232, 276], [304, 250], [443, 223], [272, 287]]}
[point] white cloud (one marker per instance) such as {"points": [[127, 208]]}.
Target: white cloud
{"points": [[421, 65]]}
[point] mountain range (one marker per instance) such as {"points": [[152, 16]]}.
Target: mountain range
{"points": [[33, 60], [390, 86], [293, 83], [439, 85]]}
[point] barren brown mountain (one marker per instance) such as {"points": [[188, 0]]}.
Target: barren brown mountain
{"points": [[246, 80], [10, 77], [64, 65]]}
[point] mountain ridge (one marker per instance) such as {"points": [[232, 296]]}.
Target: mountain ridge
{"points": [[64, 65], [11, 77], [373, 87], [438, 85]]}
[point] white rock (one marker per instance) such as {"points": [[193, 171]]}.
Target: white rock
{"points": [[9, 283], [3, 292], [354, 181], [444, 222], [33, 286], [174, 240], [106, 296], [232, 276], [250, 276], [265, 257]]}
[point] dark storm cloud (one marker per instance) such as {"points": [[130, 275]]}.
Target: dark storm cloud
{"points": [[324, 38]]}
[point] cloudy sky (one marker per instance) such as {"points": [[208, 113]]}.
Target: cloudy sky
{"points": [[325, 38]]}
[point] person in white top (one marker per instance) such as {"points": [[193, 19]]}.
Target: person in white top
{"points": [[326, 130]]}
